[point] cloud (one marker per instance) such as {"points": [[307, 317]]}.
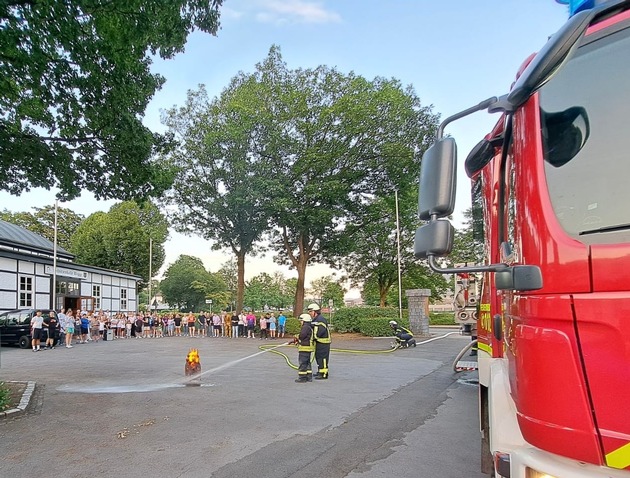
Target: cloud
{"points": [[295, 11]]}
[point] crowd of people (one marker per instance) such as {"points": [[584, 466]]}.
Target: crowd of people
{"points": [[84, 326], [80, 327]]}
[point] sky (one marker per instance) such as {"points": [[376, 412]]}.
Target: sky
{"points": [[454, 53]]}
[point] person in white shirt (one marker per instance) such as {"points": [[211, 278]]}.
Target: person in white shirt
{"points": [[37, 322]]}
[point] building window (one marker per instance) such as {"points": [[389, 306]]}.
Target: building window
{"points": [[96, 293], [67, 288], [26, 291], [123, 299]]}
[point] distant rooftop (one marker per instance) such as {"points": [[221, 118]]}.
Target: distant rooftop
{"points": [[20, 238]]}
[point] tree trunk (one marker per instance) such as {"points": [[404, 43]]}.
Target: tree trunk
{"points": [[298, 304], [382, 292], [240, 281]]}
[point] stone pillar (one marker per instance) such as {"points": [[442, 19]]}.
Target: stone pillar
{"points": [[418, 300]]}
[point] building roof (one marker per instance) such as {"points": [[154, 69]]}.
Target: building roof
{"points": [[18, 237]]}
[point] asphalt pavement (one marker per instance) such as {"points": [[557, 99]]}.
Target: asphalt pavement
{"points": [[125, 408]]}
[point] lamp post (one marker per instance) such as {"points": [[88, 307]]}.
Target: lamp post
{"points": [[150, 269], [54, 281], [398, 255]]}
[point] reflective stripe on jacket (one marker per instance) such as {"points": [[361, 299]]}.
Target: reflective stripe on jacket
{"points": [[321, 332], [305, 339]]}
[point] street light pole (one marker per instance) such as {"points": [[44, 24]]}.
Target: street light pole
{"points": [[54, 281], [150, 270], [398, 254]]}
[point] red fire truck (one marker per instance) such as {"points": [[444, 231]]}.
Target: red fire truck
{"points": [[554, 309]]}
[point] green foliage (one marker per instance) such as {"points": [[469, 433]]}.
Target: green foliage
{"points": [[295, 154], [293, 326], [221, 187], [417, 276], [327, 288], [4, 397], [213, 287], [119, 239], [374, 321], [76, 80], [349, 319], [442, 318], [468, 241], [274, 291], [186, 283], [42, 222]]}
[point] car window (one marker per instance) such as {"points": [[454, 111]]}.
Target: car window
{"points": [[25, 318], [12, 318]]}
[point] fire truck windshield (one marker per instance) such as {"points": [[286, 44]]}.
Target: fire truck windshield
{"points": [[586, 144]]}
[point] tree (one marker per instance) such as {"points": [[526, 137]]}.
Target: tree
{"points": [[183, 282], [417, 276], [468, 242], [120, 239], [220, 185], [332, 141], [42, 222], [229, 272], [264, 290], [375, 252], [76, 81], [327, 288], [213, 288]]}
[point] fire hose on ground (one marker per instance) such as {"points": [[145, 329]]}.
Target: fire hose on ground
{"points": [[273, 349]]}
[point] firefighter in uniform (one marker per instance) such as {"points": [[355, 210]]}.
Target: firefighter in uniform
{"points": [[404, 337], [305, 349], [321, 335]]}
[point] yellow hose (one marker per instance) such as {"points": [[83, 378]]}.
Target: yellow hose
{"points": [[272, 349]]}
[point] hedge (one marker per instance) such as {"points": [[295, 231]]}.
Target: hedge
{"points": [[369, 321], [374, 321]]}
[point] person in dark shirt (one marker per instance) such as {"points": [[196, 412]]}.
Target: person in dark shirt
{"points": [[51, 324]]}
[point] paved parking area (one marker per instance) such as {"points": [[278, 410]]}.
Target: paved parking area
{"points": [[123, 407]]}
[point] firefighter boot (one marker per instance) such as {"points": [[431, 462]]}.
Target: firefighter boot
{"points": [[309, 377], [301, 379]]}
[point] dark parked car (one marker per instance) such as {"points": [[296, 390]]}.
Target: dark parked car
{"points": [[15, 327]]}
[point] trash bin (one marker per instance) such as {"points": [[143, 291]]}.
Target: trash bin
{"points": [[109, 334]]}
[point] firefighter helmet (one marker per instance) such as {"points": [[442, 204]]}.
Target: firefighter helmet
{"points": [[305, 318], [393, 323], [313, 306]]}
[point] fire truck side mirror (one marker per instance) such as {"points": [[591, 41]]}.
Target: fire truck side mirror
{"points": [[438, 180], [434, 239], [520, 278]]}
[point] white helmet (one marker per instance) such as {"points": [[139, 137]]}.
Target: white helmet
{"points": [[313, 306], [305, 318], [393, 323]]}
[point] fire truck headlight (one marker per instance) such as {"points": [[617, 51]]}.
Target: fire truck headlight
{"points": [[531, 473]]}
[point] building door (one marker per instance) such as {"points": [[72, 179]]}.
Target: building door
{"points": [[86, 303]]}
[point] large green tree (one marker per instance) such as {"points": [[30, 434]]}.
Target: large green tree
{"points": [[182, 285], [42, 222], [326, 289], [122, 238], [221, 184], [75, 81], [332, 140]]}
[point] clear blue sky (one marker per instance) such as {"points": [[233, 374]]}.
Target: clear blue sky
{"points": [[454, 53]]}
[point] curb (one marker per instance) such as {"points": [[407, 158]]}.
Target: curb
{"points": [[24, 402]]}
